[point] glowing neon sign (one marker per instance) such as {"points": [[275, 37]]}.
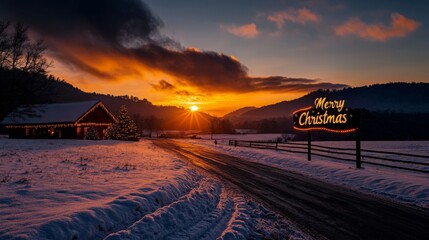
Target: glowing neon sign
{"points": [[327, 115]]}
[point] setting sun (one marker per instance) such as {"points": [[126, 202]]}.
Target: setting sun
{"points": [[194, 108]]}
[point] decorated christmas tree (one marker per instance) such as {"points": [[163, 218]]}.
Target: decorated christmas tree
{"points": [[92, 134], [110, 133], [124, 129]]}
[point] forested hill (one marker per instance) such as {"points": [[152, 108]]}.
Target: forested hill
{"points": [[391, 97], [237, 113], [65, 92]]}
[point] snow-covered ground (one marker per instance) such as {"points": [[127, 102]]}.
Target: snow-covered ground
{"points": [[399, 185], [75, 189]]}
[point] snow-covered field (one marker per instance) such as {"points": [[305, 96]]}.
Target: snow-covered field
{"points": [[75, 189], [399, 185]]}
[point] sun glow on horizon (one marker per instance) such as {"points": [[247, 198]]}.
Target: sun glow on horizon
{"points": [[194, 108]]}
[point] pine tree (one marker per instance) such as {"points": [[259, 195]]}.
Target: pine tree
{"points": [[124, 129], [92, 134]]}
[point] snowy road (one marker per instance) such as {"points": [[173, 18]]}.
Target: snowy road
{"points": [[321, 209]]}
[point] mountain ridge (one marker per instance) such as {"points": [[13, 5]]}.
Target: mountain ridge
{"points": [[238, 112]]}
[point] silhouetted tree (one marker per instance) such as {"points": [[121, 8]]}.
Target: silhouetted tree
{"points": [[214, 123], [152, 124], [4, 44], [23, 69], [34, 61], [17, 44]]}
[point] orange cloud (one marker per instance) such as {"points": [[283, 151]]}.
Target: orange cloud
{"points": [[301, 16], [400, 27], [245, 31]]}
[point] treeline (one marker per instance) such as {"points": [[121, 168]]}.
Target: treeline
{"points": [[155, 126], [395, 126], [375, 125], [272, 125]]}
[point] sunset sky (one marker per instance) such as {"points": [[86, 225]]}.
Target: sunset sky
{"points": [[222, 55]]}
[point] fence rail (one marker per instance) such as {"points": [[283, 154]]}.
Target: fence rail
{"points": [[413, 162]]}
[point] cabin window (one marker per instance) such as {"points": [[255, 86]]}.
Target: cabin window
{"points": [[51, 132]]}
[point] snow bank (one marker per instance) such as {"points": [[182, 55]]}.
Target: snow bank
{"points": [[400, 185], [184, 212], [96, 222], [59, 189]]}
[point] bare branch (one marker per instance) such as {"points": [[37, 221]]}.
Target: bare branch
{"points": [[35, 62], [4, 44], [17, 44]]}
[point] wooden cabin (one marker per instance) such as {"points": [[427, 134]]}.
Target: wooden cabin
{"points": [[59, 120]]}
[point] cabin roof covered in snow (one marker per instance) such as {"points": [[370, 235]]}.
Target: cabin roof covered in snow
{"points": [[49, 113]]}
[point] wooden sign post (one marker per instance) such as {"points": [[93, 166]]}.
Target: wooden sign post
{"points": [[358, 157], [309, 145]]}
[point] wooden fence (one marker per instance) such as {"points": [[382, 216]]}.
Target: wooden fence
{"points": [[405, 161]]}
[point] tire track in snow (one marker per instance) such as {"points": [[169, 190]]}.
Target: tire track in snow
{"points": [[97, 222], [211, 225], [205, 213], [180, 215], [238, 226]]}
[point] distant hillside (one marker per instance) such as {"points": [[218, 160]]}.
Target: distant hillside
{"points": [[392, 97], [65, 92], [237, 113]]}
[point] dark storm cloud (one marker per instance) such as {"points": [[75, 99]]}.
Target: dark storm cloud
{"points": [[93, 22], [77, 30], [163, 86], [207, 70], [187, 93]]}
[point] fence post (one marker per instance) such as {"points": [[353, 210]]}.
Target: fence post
{"points": [[277, 145], [250, 144], [235, 143], [358, 156], [309, 144]]}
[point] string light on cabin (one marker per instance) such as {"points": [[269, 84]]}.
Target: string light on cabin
{"points": [[66, 125]]}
